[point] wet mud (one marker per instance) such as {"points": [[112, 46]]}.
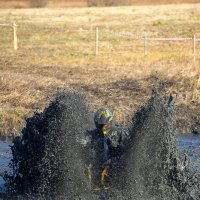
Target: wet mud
{"points": [[153, 168], [50, 161]]}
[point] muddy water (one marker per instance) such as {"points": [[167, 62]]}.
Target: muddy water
{"points": [[189, 145], [153, 168], [49, 163], [5, 156]]}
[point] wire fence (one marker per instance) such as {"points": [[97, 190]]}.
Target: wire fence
{"points": [[106, 40]]}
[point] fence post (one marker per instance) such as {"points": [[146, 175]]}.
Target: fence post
{"points": [[15, 36], [194, 49], [145, 44], [97, 41]]}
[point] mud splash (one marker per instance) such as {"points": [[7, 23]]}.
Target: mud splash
{"points": [[153, 168], [50, 163]]}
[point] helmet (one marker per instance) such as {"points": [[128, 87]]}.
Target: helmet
{"points": [[102, 116]]}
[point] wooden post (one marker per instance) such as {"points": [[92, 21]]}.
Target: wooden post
{"points": [[97, 41], [145, 45], [198, 82], [15, 36], [194, 49]]}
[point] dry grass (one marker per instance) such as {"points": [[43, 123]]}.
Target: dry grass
{"points": [[119, 78], [84, 3]]}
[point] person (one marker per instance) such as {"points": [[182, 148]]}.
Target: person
{"points": [[107, 141]]}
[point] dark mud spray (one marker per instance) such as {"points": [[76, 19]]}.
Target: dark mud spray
{"points": [[153, 169], [49, 161]]}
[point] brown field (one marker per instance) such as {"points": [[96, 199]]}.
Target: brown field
{"points": [[84, 3], [120, 78]]}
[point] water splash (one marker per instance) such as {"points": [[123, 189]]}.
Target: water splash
{"points": [[48, 162], [153, 169]]}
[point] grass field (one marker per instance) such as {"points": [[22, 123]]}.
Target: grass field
{"points": [[84, 3], [120, 78]]}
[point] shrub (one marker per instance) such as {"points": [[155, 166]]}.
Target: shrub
{"points": [[38, 3], [108, 2]]}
